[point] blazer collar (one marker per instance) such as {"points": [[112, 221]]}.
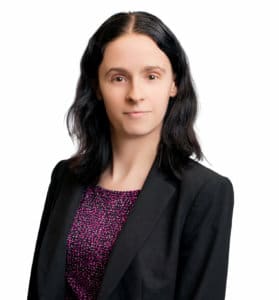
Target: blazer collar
{"points": [[152, 199]]}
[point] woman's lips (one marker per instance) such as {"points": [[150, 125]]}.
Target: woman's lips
{"points": [[136, 114]]}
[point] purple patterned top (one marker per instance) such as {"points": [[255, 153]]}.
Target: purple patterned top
{"points": [[96, 226]]}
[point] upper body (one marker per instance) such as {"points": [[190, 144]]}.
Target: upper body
{"points": [[133, 117], [175, 243]]}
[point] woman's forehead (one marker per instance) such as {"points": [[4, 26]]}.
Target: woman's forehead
{"points": [[134, 50]]}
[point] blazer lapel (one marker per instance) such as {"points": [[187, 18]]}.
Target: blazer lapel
{"points": [[153, 198]]}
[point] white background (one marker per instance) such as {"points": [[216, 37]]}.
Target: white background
{"points": [[233, 51]]}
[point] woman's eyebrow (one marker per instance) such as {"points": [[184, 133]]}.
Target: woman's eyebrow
{"points": [[152, 68], [146, 68], [116, 69]]}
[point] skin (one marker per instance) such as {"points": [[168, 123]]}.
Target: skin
{"points": [[136, 82], [135, 76]]}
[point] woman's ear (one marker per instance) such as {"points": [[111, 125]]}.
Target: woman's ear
{"points": [[98, 94], [96, 90], [173, 89]]}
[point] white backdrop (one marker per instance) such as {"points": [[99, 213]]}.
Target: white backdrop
{"points": [[233, 51]]}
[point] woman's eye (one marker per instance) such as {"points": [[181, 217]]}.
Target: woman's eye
{"points": [[152, 77], [118, 78]]}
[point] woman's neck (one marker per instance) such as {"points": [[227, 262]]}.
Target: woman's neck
{"points": [[132, 159]]}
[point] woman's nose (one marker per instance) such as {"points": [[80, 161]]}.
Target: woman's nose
{"points": [[135, 92]]}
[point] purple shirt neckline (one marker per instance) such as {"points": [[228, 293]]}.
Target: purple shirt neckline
{"points": [[98, 187]]}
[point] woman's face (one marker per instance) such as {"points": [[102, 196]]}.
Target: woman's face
{"points": [[135, 83]]}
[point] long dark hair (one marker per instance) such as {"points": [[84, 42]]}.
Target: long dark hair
{"points": [[87, 121]]}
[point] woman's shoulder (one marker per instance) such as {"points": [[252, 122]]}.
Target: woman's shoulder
{"points": [[197, 174], [60, 169], [207, 187]]}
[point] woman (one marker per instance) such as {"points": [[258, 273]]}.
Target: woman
{"points": [[131, 215]]}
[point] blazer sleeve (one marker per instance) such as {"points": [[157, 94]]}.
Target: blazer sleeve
{"points": [[49, 202], [204, 251]]}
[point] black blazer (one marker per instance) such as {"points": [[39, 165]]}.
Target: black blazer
{"points": [[174, 245]]}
